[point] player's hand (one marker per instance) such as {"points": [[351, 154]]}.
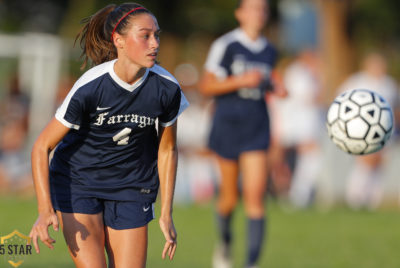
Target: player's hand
{"points": [[250, 79], [278, 85], [40, 229], [168, 229]]}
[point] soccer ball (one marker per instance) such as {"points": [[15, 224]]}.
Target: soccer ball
{"points": [[359, 121]]}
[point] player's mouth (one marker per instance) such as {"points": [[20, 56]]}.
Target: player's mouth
{"points": [[153, 55]]}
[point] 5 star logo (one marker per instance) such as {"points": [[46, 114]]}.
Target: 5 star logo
{"points": [[15, 247]]}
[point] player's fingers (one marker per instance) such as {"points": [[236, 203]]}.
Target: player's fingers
{"points": [[43, 234], [165, 250], [55, 223], [172, 251], [35, 243], [45, 238], [49, 243]]}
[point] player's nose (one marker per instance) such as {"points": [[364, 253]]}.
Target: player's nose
{"points": [[155, 42]]}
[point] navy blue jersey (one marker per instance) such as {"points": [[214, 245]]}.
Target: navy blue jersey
{"points": [[241, 114], [111, 150], [233, 54]]}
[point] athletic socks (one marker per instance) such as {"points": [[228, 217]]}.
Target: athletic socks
{"points": [[255, 232], [224, 228]]}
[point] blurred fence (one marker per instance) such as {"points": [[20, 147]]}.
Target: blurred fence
{"points": [[39, 59]]}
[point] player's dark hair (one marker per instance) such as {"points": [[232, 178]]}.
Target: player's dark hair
{"points": [[95, 38]]}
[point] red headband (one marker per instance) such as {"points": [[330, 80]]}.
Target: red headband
{"points": [[116, 25]]}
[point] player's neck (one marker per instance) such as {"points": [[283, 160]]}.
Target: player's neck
{"points": [[252, 34], [129, 73]]}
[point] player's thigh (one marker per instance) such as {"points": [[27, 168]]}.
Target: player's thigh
{"points": [[84, 235], [127, 248], [253, 165], [228, 187], [229, 171]]}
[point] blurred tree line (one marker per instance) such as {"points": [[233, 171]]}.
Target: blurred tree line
{"points": [[357, 25], [180, 17], [350, 29], [371, 21]]}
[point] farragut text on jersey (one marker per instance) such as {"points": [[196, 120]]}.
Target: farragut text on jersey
{"points": [[140, 120]]}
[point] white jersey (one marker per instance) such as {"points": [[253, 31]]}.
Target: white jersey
{"points": [[385, 86], [297, 118]]}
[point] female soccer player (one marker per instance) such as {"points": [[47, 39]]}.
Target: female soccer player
{"points": [[237, 73], [110, 160]]}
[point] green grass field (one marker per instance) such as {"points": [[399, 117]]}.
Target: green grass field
{"points": [[338, 238]]}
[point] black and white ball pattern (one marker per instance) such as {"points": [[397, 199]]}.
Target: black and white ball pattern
{"points": [[360, 121]]}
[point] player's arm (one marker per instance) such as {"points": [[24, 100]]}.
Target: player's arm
{"points": [[47, 141], [277, 85], [210, 85], [167, 164]]}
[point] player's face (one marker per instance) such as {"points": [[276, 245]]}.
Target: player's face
{"points": [[252, 14], [141, 41]]}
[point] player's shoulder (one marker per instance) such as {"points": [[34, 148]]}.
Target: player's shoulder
{"points": [[164, 76], [93, 74], [237, 37], [264, 42], [229, 37], [226, 39]]}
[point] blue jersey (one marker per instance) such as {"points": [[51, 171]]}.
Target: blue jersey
{"points": [[240, 115], [111, 150], [233, 54]]}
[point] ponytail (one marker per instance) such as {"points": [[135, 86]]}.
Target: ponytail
{"points": [[95, 38]]}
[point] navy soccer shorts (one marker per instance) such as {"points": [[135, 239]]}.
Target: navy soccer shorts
{"points": [[118, 215], [230, 138]]}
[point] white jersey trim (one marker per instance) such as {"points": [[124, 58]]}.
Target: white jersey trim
{"points": [[88, 76], [163, 73], [66, 123], [122, 83], [184, 103], [255, 46], [214, 58], [218, 49], [102, 69]]}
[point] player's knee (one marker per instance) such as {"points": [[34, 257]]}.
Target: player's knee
{"points": [[254, 208], [227, 203]]}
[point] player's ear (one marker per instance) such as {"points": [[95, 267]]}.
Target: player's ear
{"points": [[237, 14], [119, 41]]}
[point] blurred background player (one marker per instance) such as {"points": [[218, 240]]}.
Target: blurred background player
{"points": [[237, 73], [105, 174], [195, 179], [297, 122], [364, 188], [15, 168]]}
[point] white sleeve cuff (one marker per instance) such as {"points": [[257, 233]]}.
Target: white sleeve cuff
{"points": [[184, 104], [66, 123]]}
